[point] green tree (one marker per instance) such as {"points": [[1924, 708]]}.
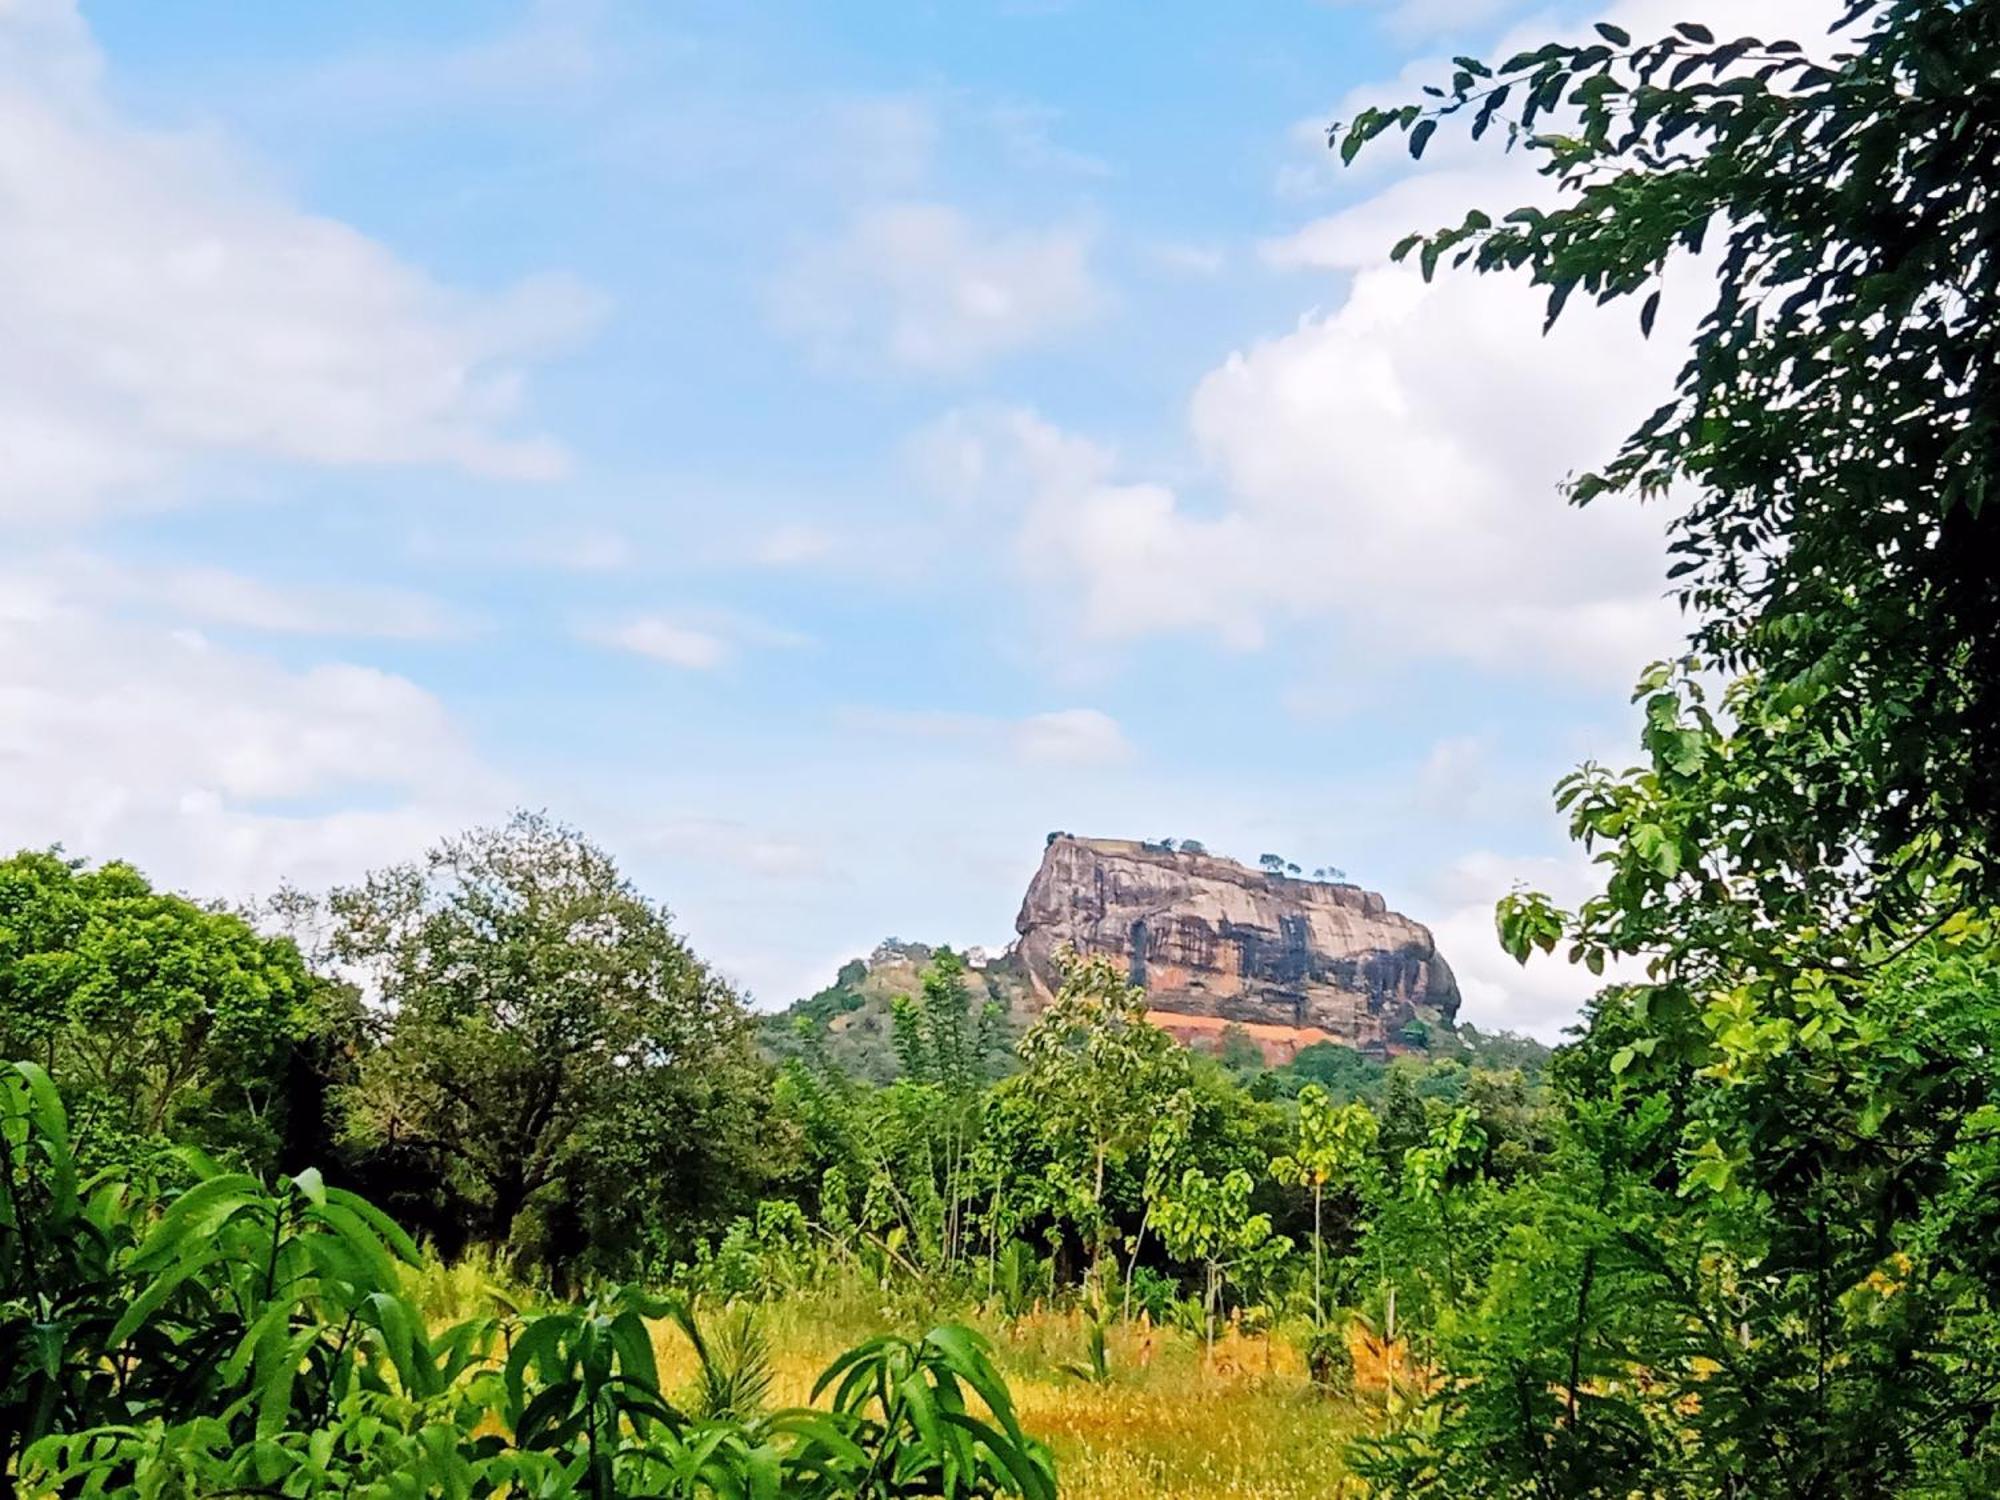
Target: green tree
{"points": [[1403, 1122], [1096, 1070], [1341, 1071], [1209, 1222], [577, 1075], [167, 1021], [1335, 1143], [1834, 425], [1167, 1147], [1239, 1053], [943, 1047], [1804, 860]]}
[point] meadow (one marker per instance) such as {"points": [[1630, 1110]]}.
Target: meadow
{"points": [[1167, 1419], [1168, 1422]]}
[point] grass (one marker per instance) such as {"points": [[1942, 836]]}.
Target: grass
{"points": [[1168, 1423]]}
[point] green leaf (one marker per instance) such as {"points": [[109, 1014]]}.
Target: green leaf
{"points": [[198, 1215], [390, 1232], [152, 1299]]}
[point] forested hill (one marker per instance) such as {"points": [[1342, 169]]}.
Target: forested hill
{"points": [[1259, 966], [853, 1019], [851, 1024]]}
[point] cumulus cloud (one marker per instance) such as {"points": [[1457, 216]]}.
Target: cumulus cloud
{"points": [[1392, 462], [1541, 997], [1392, 465], [921, 286], [217, 769], [165, 304]]}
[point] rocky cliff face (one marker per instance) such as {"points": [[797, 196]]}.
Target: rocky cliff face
{"points": [[1211, 942]]}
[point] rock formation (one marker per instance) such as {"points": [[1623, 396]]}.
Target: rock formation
{"points": [[1213, 943]]}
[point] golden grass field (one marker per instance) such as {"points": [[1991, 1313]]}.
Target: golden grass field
{"points": [[1169, 1423]]}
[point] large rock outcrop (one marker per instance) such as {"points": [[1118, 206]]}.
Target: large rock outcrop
{"points": [[1213, 943]]}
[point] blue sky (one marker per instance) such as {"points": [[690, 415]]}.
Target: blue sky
{"points": [[816, 449]]}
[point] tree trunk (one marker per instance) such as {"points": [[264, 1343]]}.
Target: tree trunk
{"points": [[1319, 1314], [1132, 1268]]}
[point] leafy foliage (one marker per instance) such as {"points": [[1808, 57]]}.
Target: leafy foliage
{"points": [[1333, 1143], [1746, 1272], [252, 1339], [1835, 422], [1098, 1072], [166, 1022], [549, 1050], [1211, 1222]]}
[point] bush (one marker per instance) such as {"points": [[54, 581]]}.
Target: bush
{"points": [[1329, 1360], [244, 1338]]}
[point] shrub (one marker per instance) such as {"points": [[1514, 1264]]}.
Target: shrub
{"points": [[245, 1338]]}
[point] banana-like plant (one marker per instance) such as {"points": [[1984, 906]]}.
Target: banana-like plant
{"points": [[58, 1248], [246, 1338]]}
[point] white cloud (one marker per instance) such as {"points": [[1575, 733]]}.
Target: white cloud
{"points": [[1071, 737], [1453, 776], [1188, 260], [1074, 737], [590, 550], [552, 50], [164, 304], [1419, 19], [1544, 995], [919, 285], [697, 640], [215, 769], [663, 640], [1391, 463], [1026, 130], [757, 852]]}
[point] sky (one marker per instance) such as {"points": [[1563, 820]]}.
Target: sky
{"points": [[814, 449]]}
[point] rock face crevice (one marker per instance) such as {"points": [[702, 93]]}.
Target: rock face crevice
{"points": [[1208, 938]]}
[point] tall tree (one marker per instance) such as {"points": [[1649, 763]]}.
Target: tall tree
{"points": [[1836, 425], [1785, 1127], [1098, 1072], [943, 1047], [1334, 1144], [549, 1041], [164, 1020]]}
